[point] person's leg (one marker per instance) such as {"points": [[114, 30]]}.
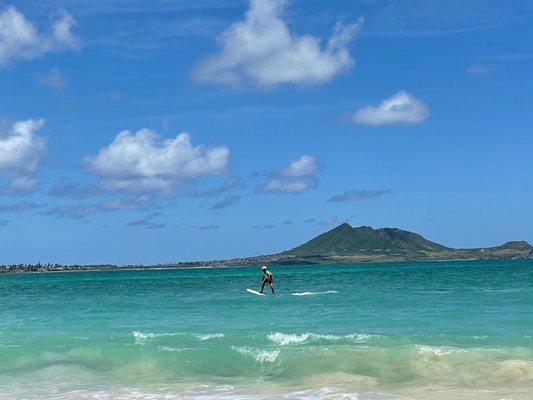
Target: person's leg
{"points": [[272, 287], [262, 287]]}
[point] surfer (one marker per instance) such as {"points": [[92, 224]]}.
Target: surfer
{"points": [[268, 278]]}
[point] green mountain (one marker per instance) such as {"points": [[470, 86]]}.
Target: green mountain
{"points": [[345, 240], [351, 244], [517, 245]]}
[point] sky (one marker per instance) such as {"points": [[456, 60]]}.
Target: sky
{"points": [[164, 131]]}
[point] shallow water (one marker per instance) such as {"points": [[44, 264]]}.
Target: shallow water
{"points": [[406, 330]]}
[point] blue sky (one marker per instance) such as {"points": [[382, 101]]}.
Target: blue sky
{"points": [[143, 132]]}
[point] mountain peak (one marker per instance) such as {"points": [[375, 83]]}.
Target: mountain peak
{"points": [[516, 245], [345, 240], [343, 226]]}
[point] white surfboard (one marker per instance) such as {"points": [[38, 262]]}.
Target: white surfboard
{"points": [[255, 292]]}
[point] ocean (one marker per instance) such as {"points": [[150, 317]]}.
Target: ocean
{"points": [[421, 330]]}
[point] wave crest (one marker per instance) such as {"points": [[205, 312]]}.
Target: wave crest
{"points": [[208, 336], [258, 355], [284, 339]]}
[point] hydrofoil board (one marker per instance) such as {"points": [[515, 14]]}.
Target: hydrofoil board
{"points": [[255, 292]]}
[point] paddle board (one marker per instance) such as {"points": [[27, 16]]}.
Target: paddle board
{"points": [[255, 292]]}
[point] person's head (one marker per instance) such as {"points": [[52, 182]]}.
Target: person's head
{"points": [[264, 268]]}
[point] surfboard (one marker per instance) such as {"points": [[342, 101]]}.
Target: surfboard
{"points": [[255, 292]]}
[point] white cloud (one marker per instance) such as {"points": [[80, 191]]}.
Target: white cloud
{"points": [[262, 51], [54, 79], [356, 195], [81, 211], [19, 207], [228, 201], [143, 162], [74, 189], [264, 226], [304, 166], [401, 108], [21, 185], [21, 150], [206, 227], [283, 186], [20, 40], [296, 177]]}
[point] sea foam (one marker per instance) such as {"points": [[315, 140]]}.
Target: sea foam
{"points": [[284, 339], [259, 355], [142, 337], [208, 336], [308, 293]]}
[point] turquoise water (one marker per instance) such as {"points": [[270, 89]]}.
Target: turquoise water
{"points": [[405, 330]]}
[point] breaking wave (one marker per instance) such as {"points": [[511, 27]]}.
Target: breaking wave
{"points": [[284, 339], [258, 354]]}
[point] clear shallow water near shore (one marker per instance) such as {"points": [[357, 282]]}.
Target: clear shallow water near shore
{"points": [[405, 330]]}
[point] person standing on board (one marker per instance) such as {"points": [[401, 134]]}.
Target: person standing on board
{"points": [[268, 278]]}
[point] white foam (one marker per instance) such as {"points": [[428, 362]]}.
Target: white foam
{"points": [[207, 392], [284, 339], [361, 337], [265, 392], [143, 337], [178, 349], [257, 354], [208, 336], [308, 293], [352, 337], [166, 348], [149, 335], [432, 350]]}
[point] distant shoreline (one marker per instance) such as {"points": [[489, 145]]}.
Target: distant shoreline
{"points": [[341, 245], [46, 268]]}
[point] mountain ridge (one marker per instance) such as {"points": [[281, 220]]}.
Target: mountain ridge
{"points": [[348, 240], [345, 243]]}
